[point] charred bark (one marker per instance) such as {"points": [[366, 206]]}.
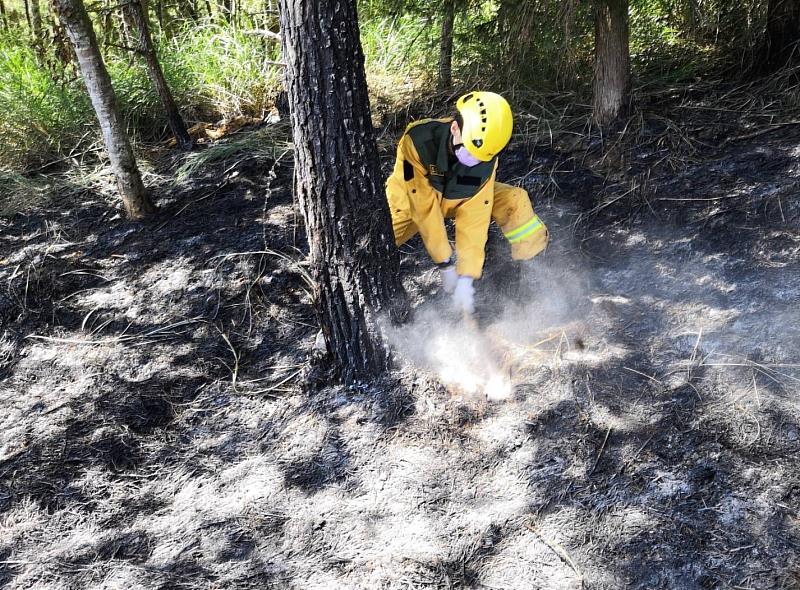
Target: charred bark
{"points": [[75, 21], [354, 263], [137, 12], [612, 62]]}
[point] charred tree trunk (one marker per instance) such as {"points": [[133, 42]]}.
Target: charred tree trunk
{"points": [[612, 63], [446, 45], [354, 263], [780, 45], [137, 11], [75, 20]]}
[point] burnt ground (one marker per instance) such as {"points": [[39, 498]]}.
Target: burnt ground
{"points": [[154, 431]]}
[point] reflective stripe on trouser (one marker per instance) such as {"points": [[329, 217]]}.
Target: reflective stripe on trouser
{"points": [[521, 233], [514, 213]]}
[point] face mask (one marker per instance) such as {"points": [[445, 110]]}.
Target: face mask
{"points": [[465, 157]]}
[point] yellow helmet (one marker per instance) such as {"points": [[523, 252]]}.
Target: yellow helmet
{"points": [[487, 123]]}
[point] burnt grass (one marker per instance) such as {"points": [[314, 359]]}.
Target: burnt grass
{"points": [[160, 428]]}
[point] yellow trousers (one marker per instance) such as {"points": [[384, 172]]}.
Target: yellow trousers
{"points": [[511, 209]]}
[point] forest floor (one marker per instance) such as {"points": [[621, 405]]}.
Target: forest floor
{"points": [[643, 431]]}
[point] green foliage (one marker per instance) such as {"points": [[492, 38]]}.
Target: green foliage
{"points": [[397, 54], [39, 117], [220, 71], [214, 71], [269, 143]]}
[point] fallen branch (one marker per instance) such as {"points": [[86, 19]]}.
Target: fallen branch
{"points": [[751, 135]]}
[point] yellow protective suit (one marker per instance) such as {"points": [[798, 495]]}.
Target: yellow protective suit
{"points": [[417, 207]]}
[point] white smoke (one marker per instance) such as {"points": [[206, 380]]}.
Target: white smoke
{"points": [[478, 361]]}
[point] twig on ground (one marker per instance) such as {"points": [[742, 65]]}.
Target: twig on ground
{"points": [[643, 375], [558, 550], [600, 452], [235, 370], [161, 331]]}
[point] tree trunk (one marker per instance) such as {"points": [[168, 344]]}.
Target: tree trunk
{"points": [[354, 263], [137, 10], [612, 63], [3, 17], [160, 14], [36, 22], [191, 7], [75, 20], [689, 19], [446, 45], [780, 45], [226, 9]]}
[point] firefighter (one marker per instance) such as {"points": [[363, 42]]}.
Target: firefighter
{"points": [[446, 168]]}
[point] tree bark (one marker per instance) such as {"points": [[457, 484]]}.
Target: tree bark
{"points": [[612, 62], [36, 22], [75, 20], [446, 45], [354, 263], [781, 38], [137, 10]]}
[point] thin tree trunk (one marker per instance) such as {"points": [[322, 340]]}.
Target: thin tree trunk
{"points": [[612, 62], [138, 13], [354, 263], [446, 45], [28, 15], [36, 23], [160, 14], [780, 45], [75, 20], [191, 6], [3, 17], [225, 7], [689, 18]]}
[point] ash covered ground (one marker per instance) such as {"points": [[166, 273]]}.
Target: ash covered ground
{"points": [[644, 430]]}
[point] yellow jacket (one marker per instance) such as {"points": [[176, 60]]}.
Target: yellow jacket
{"points": [[416, 205]]}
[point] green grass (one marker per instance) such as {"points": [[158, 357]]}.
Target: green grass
{"points": [[40, 119], [213, 71], [267, 143]]}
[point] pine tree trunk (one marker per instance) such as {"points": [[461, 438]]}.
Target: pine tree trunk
{"points": [[137, 10], [75, 20], [354, 263], [446, 45], [612, 63], [780, 45]]}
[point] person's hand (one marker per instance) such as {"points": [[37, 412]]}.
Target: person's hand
{"points": [[464, 295], [449, 278]]}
